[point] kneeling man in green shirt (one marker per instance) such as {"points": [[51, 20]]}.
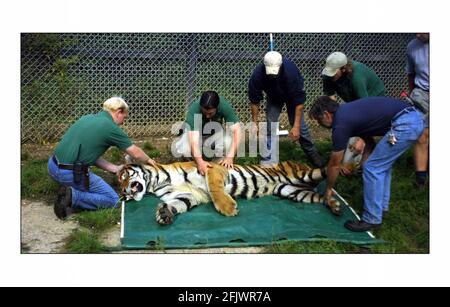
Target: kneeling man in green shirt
{"points": [[83, 146], [205, 118]]}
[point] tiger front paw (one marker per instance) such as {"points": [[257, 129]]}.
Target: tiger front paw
{"points": [[228, 208], [165, 214]]}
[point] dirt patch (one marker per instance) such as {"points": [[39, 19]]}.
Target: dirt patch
{"points": [[42, 231]]}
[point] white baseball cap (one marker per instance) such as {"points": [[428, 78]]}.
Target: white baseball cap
{"points": [[334, 61], [273, 61]]}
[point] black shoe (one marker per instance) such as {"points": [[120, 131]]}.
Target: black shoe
{"points": [[63, 202], [360, 226]]}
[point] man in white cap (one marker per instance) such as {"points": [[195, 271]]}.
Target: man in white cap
{"points": [[351, 80], [281, 81]]}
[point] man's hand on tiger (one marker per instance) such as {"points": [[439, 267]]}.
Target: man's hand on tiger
{"points": [[202, 167], [151, 162], [227, 162], [328, 196]]}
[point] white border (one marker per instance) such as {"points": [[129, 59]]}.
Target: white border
{"points": [[224, 16]]}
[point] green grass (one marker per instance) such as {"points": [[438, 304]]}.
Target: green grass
{"points": [[83, 241], [151, 150], [322, 247], [115, 156], [100, 220], [35, 181], [86, 239]]}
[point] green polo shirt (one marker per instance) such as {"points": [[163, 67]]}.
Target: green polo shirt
{"points": [[364, 82], [225, 114], [95, 133]]}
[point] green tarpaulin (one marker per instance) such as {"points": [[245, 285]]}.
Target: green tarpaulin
{"points": [[262, 221]]}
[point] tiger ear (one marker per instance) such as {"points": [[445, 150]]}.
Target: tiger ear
{"points": [[120, 174]]}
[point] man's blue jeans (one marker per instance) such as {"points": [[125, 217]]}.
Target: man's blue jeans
{"points": [[273, 111], [100, 194], [407, 127]]}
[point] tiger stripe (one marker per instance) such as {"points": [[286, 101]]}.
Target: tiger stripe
{"points": [[181, 187], [254, 180], [186, 201], [165, 173], [234, 185], [244, 191], [255, 169], [263, 170]]}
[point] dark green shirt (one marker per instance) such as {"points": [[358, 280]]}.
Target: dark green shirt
{"points": [[95, 133], [225, 113], [364, 82]]}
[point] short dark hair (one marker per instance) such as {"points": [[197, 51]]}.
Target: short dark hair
{"points": [[322, 104], [210, 100]]}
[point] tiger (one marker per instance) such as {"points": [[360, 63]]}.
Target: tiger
{"points": [[181, 187]]}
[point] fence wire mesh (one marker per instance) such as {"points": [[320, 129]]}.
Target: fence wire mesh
{"points": [[65, 76]]}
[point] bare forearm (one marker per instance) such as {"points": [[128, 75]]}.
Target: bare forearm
{"points": [[235, 144], [194, 138], [332, 175], [298, 115], [333, 169], [254, 107], [197, 155], [138, 154], [107, 166]]}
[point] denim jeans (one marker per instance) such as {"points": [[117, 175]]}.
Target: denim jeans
{"points": [[273, 115], [407, 127], [100, 194]]}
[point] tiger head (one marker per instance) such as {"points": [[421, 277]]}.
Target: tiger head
{"points": [[133, 182]]}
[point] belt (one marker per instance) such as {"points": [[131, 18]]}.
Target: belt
{"points": [[66, 166], [61, 165], [404, 111], [70, 167]]}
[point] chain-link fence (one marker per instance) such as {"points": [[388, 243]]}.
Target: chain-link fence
{"points": [[64, 76]]}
